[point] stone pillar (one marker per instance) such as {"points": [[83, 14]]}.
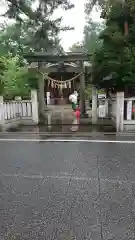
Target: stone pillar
{"points": [[48, 98], [82, 93], [49, 120], [94, 105], [106, 107], [41, 99], [34, 100], [2, 119], [119, 111]]}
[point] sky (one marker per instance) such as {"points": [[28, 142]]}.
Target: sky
{"points": [[74, 18]]}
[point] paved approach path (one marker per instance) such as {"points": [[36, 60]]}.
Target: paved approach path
{"points": [[67, 190]]}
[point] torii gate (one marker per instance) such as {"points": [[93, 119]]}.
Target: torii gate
{"points": [[47, 63]]}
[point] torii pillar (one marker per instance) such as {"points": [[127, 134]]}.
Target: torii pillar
{"points": [[82, 92], [41, 99]]}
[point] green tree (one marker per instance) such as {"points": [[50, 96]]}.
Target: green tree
{"points": [[90, 4], [91, 42], [91, 36], [15, 79], [19, 42], [38, 20], [44, 8], [103, 5], [114, 62]]}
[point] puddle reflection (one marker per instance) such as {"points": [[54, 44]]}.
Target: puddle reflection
{"points": [[66, 123]]}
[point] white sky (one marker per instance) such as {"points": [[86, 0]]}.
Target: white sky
{"points": [[74, 18]]}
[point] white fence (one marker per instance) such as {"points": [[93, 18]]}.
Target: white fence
{"points": [[112, 108], [122, 112], [13, 113], [129, 114], [17, 109], [116, 110], [107, 108], [103, 108]]}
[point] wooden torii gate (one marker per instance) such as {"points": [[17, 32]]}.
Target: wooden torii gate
{"points": [[40, 61]]}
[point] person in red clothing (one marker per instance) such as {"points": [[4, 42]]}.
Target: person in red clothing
{"points": [[76, 121], [77, 114]]}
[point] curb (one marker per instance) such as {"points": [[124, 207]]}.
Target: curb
{"points": [[125, 134], [61, 134]]}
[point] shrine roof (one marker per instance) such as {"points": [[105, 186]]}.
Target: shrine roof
{"points": [[53, 58]]}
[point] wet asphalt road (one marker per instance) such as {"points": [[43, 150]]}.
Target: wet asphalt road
{"points": [[64, 190]]}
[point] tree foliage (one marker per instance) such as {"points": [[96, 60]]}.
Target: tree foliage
{"points": [[19, 42], [90, 4], [114, 62], [33, 29], [37, 21], [44, 8], [91, 36], [91, 42], [15, 80]]}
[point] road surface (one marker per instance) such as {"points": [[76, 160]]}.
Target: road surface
{"points": [[67, 190]]}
